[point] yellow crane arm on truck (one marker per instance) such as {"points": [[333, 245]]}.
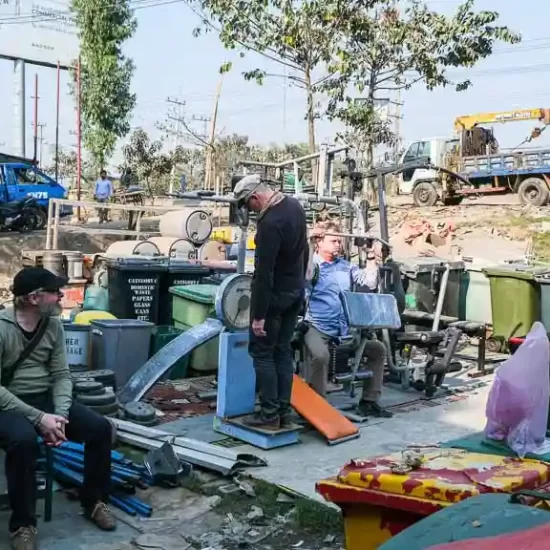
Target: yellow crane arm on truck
{"points": [[467, 122]]}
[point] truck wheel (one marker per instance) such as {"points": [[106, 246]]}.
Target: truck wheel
{"points": [[26, 223], [42, 218], [425, 194], [533, 191]]}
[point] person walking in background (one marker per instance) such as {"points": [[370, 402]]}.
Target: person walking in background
{"points": [[102, 193]]}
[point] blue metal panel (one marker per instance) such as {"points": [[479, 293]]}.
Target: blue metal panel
{"points": [[517, 163], [153, 370], [503, 172], [256, 438], [236, 376], [372, 311]]}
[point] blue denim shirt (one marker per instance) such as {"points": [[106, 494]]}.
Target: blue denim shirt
{"points": [[103, 188], [325, 311]]}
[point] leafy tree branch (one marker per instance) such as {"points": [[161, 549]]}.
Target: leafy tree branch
{"points": [[106, 98]]}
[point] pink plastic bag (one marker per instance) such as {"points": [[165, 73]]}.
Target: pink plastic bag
{"points": [[517, 407]]}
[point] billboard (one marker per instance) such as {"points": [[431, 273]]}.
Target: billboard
{"points": [[38, 31]]}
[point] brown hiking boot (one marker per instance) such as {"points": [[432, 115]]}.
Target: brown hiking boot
{"points": [[102, 516], [260, 423], [24, 539]]}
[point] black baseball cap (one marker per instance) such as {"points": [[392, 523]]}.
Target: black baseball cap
{"points": [[30, 279]]}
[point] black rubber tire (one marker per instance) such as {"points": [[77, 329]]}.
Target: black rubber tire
{"points": [[41, 218], [81, 377], [139, 412], [148, 424], [105, 376], [99, 391], [493, 345], [105, 409], [533, 191], [425, 194], [26, 223], [91, 388], [107, 398]]}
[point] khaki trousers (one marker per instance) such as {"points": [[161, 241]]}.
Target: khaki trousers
{"points": [[318, 359]]}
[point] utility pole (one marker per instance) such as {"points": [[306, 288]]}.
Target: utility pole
{"points": [[41, 127], [35, 119], [206, 139], [397, 130], [179, 105], [182, 128], [210, 177], [205, 120]]}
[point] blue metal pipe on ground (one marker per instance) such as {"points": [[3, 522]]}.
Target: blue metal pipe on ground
{"points": [[68, 466]]}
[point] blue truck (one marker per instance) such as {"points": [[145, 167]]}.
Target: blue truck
{"points": [[484, 168], [21, 178]]}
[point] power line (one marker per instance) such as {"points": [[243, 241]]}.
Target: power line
{"points": [[132, 4], [205, 120], [188, 133], [68, 15]]}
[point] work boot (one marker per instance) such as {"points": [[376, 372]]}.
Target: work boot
{"points": [[286, 422], [370, 408], [102, 516], [24, 539], [261, 423]]}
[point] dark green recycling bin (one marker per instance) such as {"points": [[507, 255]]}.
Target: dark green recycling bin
{"points": [[161, 337]]}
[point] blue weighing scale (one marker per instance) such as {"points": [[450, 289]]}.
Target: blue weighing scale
{"points": [[236, 376]]}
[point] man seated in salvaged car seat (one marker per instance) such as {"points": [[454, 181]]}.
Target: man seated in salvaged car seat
{"points": [[326, 322], [36, 401]]}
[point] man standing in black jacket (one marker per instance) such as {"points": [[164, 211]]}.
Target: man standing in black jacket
{"points": [[277, 294]]}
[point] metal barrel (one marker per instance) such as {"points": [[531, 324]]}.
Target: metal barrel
{"points": [[133, 248], [194, 225]]}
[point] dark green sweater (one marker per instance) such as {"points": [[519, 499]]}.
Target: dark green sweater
{"points": [[45, 370]]}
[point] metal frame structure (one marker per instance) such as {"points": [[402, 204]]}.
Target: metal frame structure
{"points": [[53, 226], [324, 171]]}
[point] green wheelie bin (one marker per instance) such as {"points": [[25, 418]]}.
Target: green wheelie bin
{"points": [[515, 301]]}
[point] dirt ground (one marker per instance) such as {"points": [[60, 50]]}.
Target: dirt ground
{"points": [[489, 228], [208, 512]]}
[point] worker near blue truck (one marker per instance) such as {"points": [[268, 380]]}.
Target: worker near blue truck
{"points": [[325, 320], [277, 295], [36, 400], [103, 192]]}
